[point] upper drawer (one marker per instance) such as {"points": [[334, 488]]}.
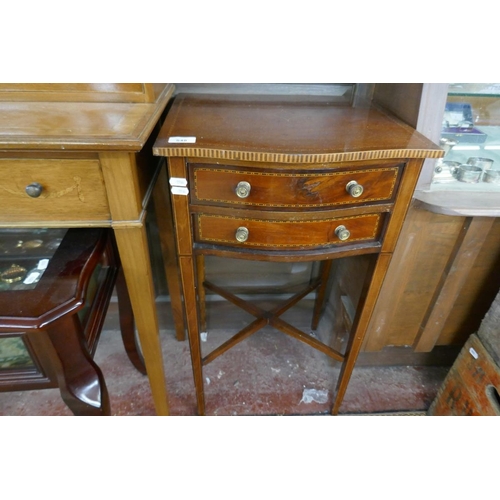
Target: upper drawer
{"points": [[71, 189], [220, 185]]}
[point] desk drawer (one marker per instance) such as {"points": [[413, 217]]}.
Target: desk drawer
{"points": [[71, 189], [219, 185], [286, 234]]}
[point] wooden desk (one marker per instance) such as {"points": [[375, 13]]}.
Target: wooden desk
{"points": [[286, 179], [78, 156]]}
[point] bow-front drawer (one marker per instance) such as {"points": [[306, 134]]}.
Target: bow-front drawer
{"points": [[227, 186], [52, 190], [286, 234]]}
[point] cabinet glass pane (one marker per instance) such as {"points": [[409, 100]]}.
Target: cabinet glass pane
{"points": [[24, 256], [471, 137]]}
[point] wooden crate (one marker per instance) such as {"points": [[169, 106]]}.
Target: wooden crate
{"points": [[472, 386]]}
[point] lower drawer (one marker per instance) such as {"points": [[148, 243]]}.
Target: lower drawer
{"points": [[286, 234], [68, 190]]}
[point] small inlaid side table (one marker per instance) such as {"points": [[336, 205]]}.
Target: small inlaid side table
{"points": [[286, 179]]}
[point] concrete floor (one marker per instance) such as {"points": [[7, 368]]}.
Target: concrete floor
{"points": [[267, 374]]}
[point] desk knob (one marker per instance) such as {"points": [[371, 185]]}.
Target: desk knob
{"points": [[242, 234], [354, 189], [243, 189], [34, 189], [342, 233]]}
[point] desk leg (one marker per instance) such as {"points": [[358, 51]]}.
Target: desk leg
{"points": [[163, 208], [188, 276], [134, 254], [373, 283]]}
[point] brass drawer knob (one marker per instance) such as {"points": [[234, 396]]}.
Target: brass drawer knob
{"points": [[34, 190], [243, 189], [354, 189], [342, 233], [242, 234]]}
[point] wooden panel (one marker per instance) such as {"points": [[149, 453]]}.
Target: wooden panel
{"points": [[452, 280], [403, 99], [477, 294], [215, 184], [72, 190], [489, 331], [419, 259], [281, 234], [124, 189], [82, 92], [472, 386]]}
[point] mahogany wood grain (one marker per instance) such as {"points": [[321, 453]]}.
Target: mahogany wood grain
{"points": [[402, 204], [319, 303], [310, 214], [286, 234], [217, 184], [164, 218], [298, 155], [279, 129], [188, 279], [373, 283], [200, 278], [180, 205]]}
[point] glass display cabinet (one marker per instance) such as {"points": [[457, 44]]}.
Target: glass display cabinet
{"points": [[466, 181], [471, 137], [25, 255]]}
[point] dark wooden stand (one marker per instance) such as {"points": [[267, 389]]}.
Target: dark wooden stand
{"points": [[60, 321]]}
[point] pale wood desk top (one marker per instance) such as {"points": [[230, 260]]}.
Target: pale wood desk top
{"points": [[84, 126]]}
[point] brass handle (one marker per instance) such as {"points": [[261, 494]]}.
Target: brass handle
{"points": [[354, 189], [342, 233], [242, 234], [243, 189], [34, 190]]}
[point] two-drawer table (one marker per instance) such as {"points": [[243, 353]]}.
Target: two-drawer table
{"points": [[286, 179], [79, 155]]}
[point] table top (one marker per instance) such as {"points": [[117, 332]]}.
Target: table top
{"points": [[79, 125], [288, 129]]}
